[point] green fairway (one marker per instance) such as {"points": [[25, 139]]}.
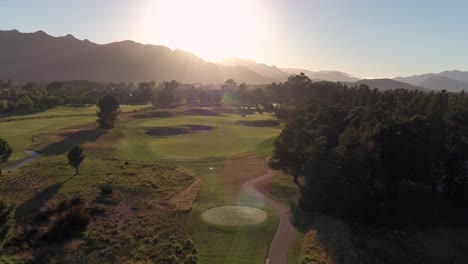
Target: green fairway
{"points": [[19, 134], [223, 244], [19, 130], [63, 111], [226, 137]]}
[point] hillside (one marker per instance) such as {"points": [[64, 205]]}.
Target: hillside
{"points": [[453, 81], [38, 56], [269, 71], [388, 84], [332, 76], [442, 82]]}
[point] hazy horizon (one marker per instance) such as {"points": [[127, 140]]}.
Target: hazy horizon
{"points": [[365, 39]]}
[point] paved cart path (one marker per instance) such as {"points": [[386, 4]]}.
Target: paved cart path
{"points": [[278, 250]]}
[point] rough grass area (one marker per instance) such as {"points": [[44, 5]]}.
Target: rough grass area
{"points": [[138, 221], [228, 138]]}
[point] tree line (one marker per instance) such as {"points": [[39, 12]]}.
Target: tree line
{"points": [[31, 96], [395, 157]]}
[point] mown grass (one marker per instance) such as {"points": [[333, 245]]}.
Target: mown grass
{"points": [[63, 111], [20, 134], [20, 131], [221, 185], [227, 137]]}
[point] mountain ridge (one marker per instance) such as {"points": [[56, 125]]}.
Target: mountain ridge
{"points": [[38, 56]]}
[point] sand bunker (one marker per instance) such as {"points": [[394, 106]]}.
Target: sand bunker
{"points": [[174, 131], [158, 114], [260, 123], [201, 111], [234, 215]]}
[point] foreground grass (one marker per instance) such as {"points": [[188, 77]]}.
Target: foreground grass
{"points": [[138, 221]]}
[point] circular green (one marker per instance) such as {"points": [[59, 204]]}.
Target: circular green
{"points": [[234, 215]]}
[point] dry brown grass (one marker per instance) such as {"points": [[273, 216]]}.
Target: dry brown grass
{"points": [[138, 222], [184, 200]]}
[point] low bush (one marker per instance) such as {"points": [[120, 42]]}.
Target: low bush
{"points": [[71, 222], [106, 189]]}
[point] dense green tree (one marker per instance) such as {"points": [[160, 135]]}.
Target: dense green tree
{"points": [[109, 109], [167, 94], [75, 157]]}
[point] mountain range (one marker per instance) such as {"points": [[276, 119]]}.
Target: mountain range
{"points": [[40, 57]]}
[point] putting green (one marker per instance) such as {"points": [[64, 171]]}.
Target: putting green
{"points": [[234, 215]]}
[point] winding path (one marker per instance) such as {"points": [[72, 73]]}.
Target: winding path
{"points": [[278, 251], [33, 155]]}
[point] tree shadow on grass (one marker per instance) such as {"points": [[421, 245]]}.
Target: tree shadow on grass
{"points": [[72, 138], [36, 202]]}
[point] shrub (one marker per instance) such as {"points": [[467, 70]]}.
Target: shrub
{"points": [[190, 259], [74, 220], [106, 189]]}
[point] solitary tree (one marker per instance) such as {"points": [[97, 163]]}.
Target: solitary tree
{"points": [[5, 152], [75, 157], [109, 108]]}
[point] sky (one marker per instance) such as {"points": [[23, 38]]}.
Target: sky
{"points": [[365, 38]]}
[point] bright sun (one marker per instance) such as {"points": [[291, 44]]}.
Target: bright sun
{"points": [[212, 29]]}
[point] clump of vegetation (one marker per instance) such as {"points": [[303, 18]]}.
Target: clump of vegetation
{"points": [[72, 221], [106, 189]]}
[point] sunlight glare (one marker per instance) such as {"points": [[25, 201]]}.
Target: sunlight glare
{"points": [[211, 29]]}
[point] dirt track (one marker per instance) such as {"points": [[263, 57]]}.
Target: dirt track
{"points": [[278, 250]]}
